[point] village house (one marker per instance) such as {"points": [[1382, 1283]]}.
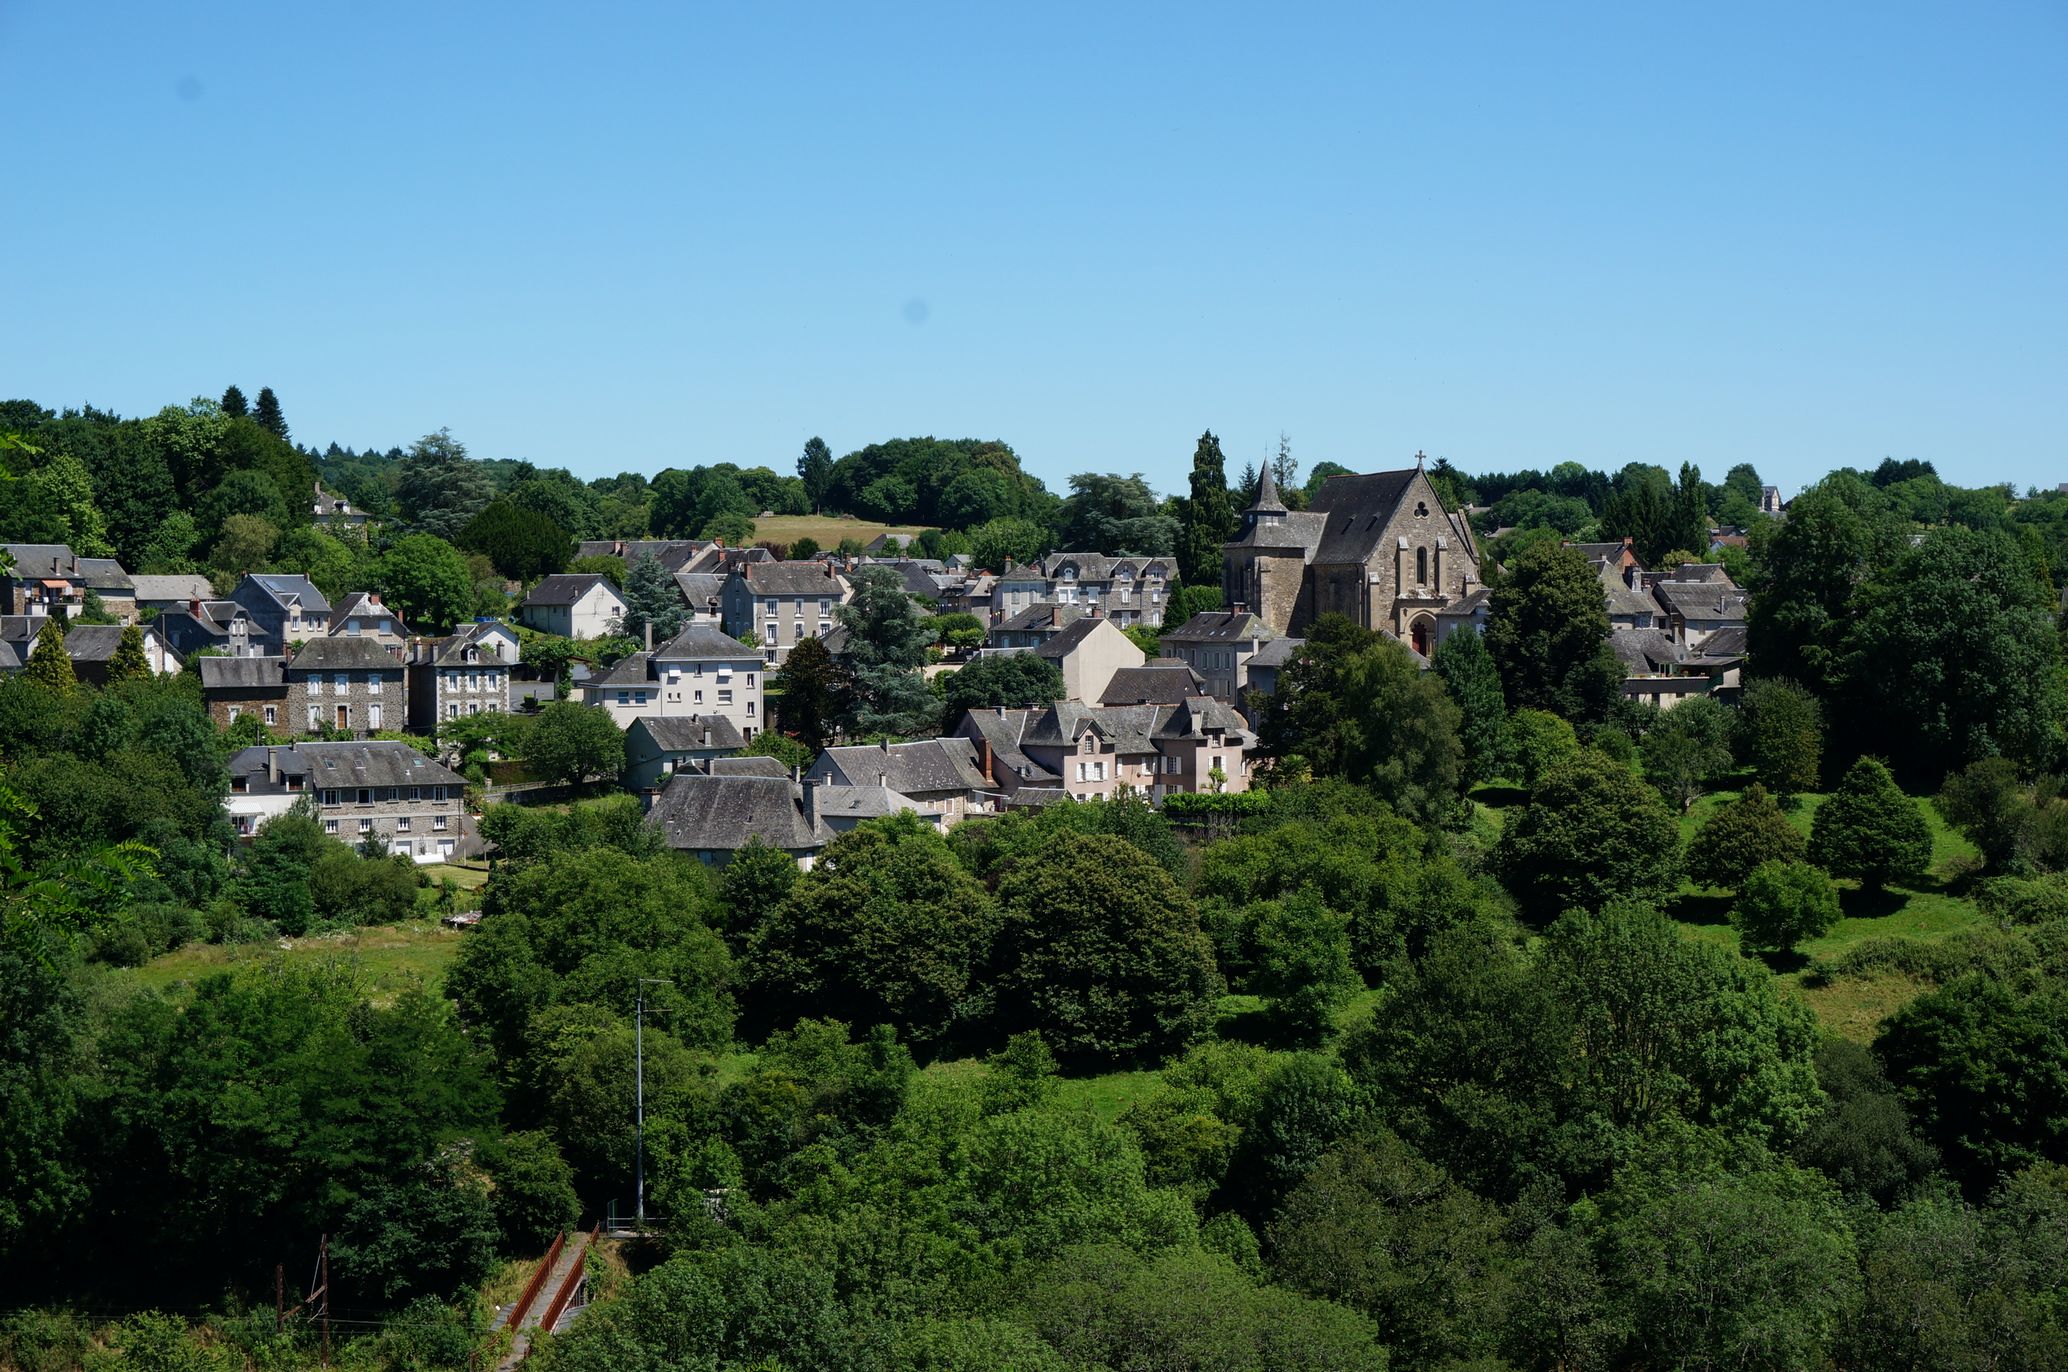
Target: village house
{"points": [[1129, 590], [703, 596], [780, 604], [157, 594], [92, 646], [223, 625], [332, 512], [658, 746], [1088, 652], [1004, 764], [939, 776], [711, 816], [1159, 681], [350, 684], [1697, 600], [49, 577], [1152, 750], [572, 605], [233, 687], [361, 615], [701, 671], [284, 610], [1218, 644], [1379, 549], [387, 792], [468, 672], [1034, 626]]}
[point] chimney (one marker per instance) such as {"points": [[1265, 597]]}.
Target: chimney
{"points": [[811, 805], [886, 745], [707, 735], [273, 765], [194, 606], [649, 635], [984, 752]]}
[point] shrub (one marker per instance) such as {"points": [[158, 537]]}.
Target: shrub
{"points": [[1741, 835], [1783, 903]]}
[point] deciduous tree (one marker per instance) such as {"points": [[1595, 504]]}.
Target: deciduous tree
{"points": [[1781, 904], [1548, 633], [1739, 835], [1869, 829], [1590, 833]]}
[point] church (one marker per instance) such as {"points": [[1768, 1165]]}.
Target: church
{"points": [[1380, 549]]}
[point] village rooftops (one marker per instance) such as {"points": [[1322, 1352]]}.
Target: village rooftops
{"points": [[929, 765], [339, 765], [1220, 626], [242, 673], [691, 733], [699, 812], [787, 579], [1164, 681], [702, 643], [345, 655], [564, 588], [291, 589]]}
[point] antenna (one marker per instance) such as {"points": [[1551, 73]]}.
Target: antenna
{"points": [[639, 1096]]}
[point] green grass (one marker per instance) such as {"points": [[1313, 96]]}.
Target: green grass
{"points": [[827, 530], [389, 958], [467, 878]]}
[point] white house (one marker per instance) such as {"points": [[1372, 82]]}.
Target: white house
{"points": [[701, 671], [572, 606]]}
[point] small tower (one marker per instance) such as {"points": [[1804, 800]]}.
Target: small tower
{"points": [[1267, 508]]}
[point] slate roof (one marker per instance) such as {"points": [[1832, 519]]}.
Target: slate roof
{"points": [[1101, 567], [1645, 652], [692, 733], [704, 643], [450, 650], [182, 586], [1060, 645], [1725, 644], [565, 588], [755, 765], [1703, 602], [933, 764], [1042, 614], [344, 655], [1005, 729], [92, 642], [720, 813], [700, 589], [1280, 652], [375, 762], [1166, 681], [10, 660], [1219, 626], [1134, 728], [1629, 604], [1301, 529], [670, 553], [630, 670], [1464, 607], [32, 561], [790, 579], [362, 603], [243, 673], [1357, 510], [861, 802], [105, 574], [288, 587]]}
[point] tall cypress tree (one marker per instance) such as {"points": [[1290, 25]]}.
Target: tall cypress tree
{"points": [[815, 469], [1474, 683], [50, 666], [129, 662], [234, 403], [267, 413], [1209, 515]]}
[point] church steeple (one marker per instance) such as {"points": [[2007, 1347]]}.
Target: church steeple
{"points": [[1267, 501]]}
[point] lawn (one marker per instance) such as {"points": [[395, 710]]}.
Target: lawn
{"points": [[828, 530], [389, 958]]}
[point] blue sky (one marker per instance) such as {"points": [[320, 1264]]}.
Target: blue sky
{"points": [[619, 237]]}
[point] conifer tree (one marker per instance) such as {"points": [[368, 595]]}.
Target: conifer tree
{"points": [[267, 413], [1474, 684], [1209, 515], [129, 662], [234, 404], [50, 666]]}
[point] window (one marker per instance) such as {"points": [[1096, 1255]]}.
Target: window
{"points": [[697, 697], [1098, 771], [1422, 566], [234, 712], [272, 714], [624, 698], [315, 718], [402, 825], [341, 683], [1082, 768], [768, 632], [416, 793], [750, 678], [365, 795], [365, 826], [329, 826], [452, 709], [240, 783], [438, 821], [750, 709], [1421, 509], [725, 697], [373, 716]]}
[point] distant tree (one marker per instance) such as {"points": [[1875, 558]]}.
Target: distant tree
{"points": [[958, 629], [1109, 513], [652, 597], [1780, 734], [1468, 673], [49, 665], [1103, 953], [1811, 565], [424, 579], [1869, 829], [1781, 904], [234, 404], [523, 544], [1187, 601], [1986, 801], [804, 549], [246, 493], [1537, 741], [1740, 835], [267, 414], [1209, 515], [1643, 508], [1590, 833], [998, 543], [886, 647], [441, 489], [129, 662], [1685, 747], [1399, 734], [1548, 633], [731, 528], [810, 690], [1863, 1139], [246, 544], [786, 750], [1304, 970], [1019, 679], [571, 742]]}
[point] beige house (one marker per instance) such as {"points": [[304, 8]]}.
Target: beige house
{"points": [[1088, 652], [361, 615], [780, 604], [941, 777], [1218, 644], [1149, 750], [701, 671], [573, 606]]}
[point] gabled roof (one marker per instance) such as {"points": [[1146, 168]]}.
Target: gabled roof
{"points": [[1356, 510], [703, 643], [1042, 614], [93, 642], [1135, 728], [290, 588], [374, 762], [700, 589], [1280, 652], [1300, 529], [362, 603], [1726, 644], [1645, 652], [177, 586], [1004, 729], [1101, 567], [451, 651], [1702, 601], [34, 560], [811, 579], [1166, 681], [1219, 626], [633, 669], [565, 588], [754, 765], [692, 733], [933, 764], [10, 660], [1061, 645], [861, 802], [344, 655], [705, 813], [243, 673], [105, 574]]}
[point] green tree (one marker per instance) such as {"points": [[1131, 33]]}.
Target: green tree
{"points": [[1810, 565], [1015, 680], [1209, 515], [1986, 801], [1304, 971], [49, 665], [815, 469], [998, 543], [1468, 673], [234, 404], [128, 662], [1548, 634], [1102, 953], [1780, 734], [570, 742], [523, 544], [1537, 741], [1590, 833], [886, 647], [810, 690], [652, 598], [1781, 904], [243, 493], [1869, 829], [886, 928], [441, 489], [267, 414], [1862, 1139], [1741, 834], [1398, 733], [424, 579], [1685, 747], [247, 542], [1113, 514]]}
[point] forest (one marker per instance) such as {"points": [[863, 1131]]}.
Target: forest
{"points": [[1507, 1024]]}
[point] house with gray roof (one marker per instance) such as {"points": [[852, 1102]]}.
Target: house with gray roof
{"points": [[712, 816], [175, 591], [703, 596], [1088, 652], [1159, 681], [701, 671], [222, 625], [1034, 626], [1218, 645], [780, 604], [658, 746], [1200, 744], [1266, 670], [468, 672], [387, 792], [232, 687], [283, 610], [351, 684], [572, 605], [1005, 766], [46, 577], [361, 615], [1698, 601], [1127, 590], [940, 776], [92, 646]]}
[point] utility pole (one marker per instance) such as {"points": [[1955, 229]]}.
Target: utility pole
{"points": [[639, 1096]]}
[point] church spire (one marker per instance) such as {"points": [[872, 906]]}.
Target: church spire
{"points": [[1267, 501]]}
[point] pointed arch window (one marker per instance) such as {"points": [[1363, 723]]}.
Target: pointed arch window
{"points": [[1422, 566]]}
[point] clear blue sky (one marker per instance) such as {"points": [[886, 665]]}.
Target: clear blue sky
{"points": [[620, 237]]}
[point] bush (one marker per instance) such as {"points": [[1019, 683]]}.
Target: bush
{"points": [[1741, 835], [1783, 903], [2014, 900]]}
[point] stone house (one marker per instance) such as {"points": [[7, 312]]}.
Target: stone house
{"points": [[352, 684], [1150, 750], [1380, 549], [572, 605], [50, 577], [223, 625], [361, 615], [701, 671], [1034, 626], [1088, 652], [156, 594], [941, 777], [331, 511], [780, 604], [712, 816], [283, 609], [1129, 590], [1004, 764], [1159, 681], [384, 791], [1698, 600], [92, 646], [465, 673], [656, 747], [1218, 644], [232, 687]]}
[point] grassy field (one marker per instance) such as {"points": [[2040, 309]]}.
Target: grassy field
{"points": [[827, 529], [391, 958]]}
